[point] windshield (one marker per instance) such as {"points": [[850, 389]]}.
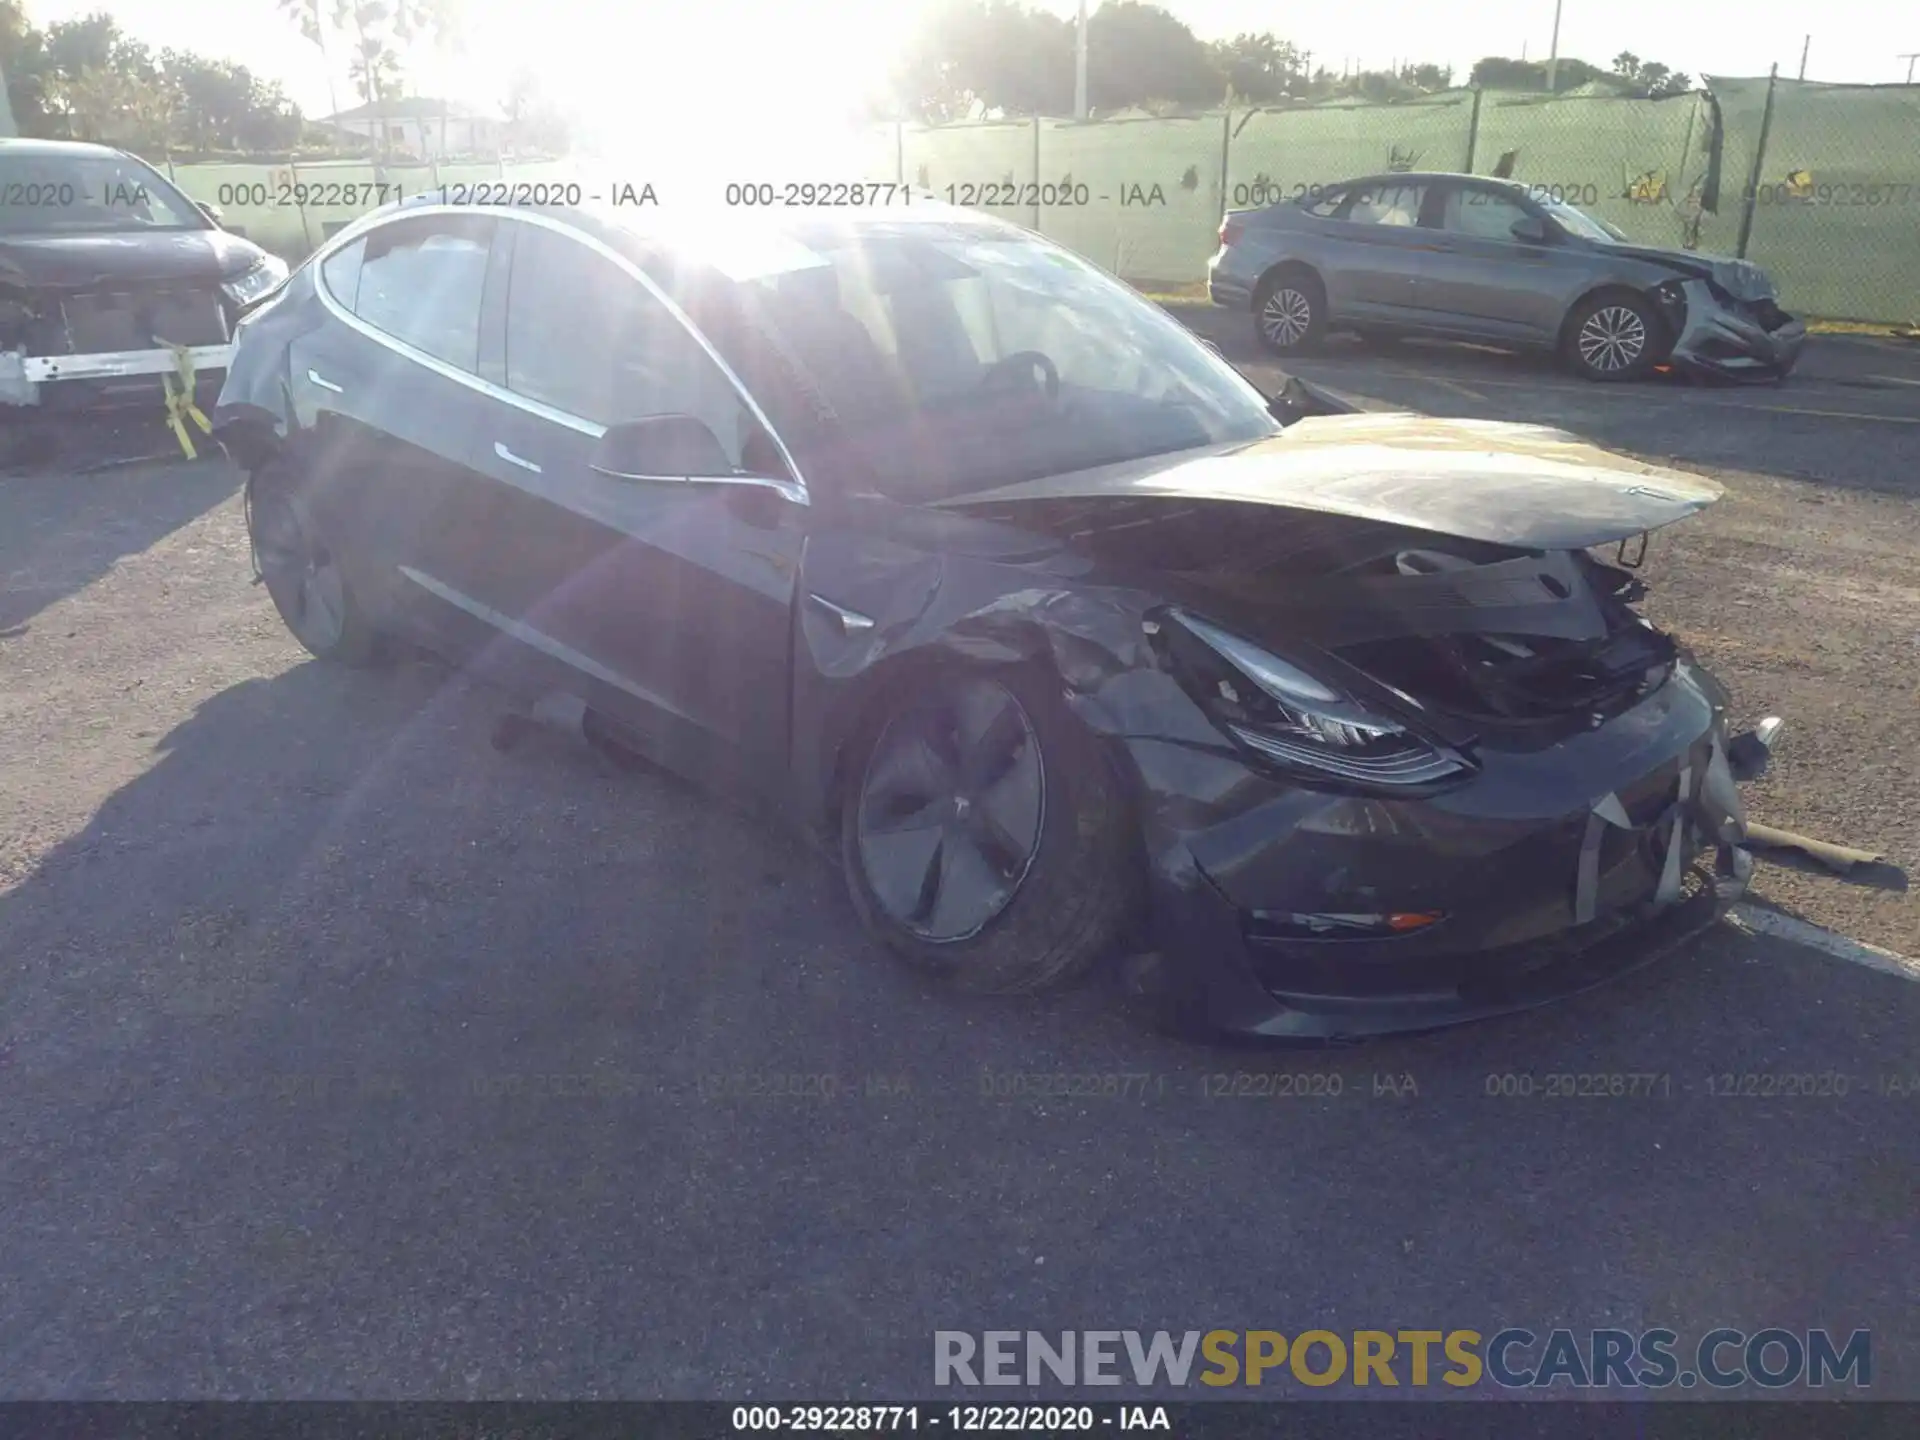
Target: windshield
{"points": [[57, 194], [1578, 222], [943, 360]]}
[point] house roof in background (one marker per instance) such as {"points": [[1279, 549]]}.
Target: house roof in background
{"points": [[411, 107]]}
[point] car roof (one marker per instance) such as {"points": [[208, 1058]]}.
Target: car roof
{"points": [[675, 226], [1427, 177], [17, 146]]}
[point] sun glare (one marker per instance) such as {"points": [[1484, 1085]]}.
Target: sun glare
{"points": [[700, 95]]}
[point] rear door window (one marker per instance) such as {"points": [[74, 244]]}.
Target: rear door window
{"points": [[1326, 204], [1386, 203], [421, 282]]}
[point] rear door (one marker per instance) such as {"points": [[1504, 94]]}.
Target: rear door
{"points": [[1376, 251], [666, 605], [1479, 278], [391, 392]]}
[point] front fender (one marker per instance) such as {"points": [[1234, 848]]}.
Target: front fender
{"points": [[932, 610]]}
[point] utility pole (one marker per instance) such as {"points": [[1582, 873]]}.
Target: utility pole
{"points": [[1553, 50], [1080, 66], [1909, 59], [1805, 46]]}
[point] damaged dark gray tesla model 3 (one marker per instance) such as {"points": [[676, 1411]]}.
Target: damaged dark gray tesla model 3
{"points": [[1067, 640]]}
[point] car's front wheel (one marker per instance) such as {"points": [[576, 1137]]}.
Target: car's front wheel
{"points": [[1614, 336], [1290, 311], [985, 838], [303, 574]]}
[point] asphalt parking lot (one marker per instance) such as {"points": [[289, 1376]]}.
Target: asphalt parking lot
{"points": [[344, 1055]]}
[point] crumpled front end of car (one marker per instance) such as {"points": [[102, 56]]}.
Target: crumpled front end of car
{"points": [[1298, 912], [1509, 788], [1719, 334], [78, 345]]}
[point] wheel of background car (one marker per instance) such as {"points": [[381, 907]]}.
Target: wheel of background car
{"points": [[1289, 311], [1022, 366], [303, 576], [1613, 336], [984, 835]]}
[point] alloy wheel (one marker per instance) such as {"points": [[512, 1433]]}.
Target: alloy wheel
{"points": [[1287, 316], [303, 578], [1612, 339], [951, 809]]}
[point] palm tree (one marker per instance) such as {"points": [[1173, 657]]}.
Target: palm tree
{"points": [[313, 22]]}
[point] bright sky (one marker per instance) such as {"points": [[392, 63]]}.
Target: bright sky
{"points": [[637, 62]]}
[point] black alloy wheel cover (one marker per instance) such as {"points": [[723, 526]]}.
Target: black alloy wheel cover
{"points": [[300, 575], [951, 809]]}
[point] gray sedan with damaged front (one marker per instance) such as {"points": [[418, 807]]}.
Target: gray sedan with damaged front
{"points": [[1467, 257], [1063, 640]]}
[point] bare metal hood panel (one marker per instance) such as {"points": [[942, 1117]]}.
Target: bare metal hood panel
{"points": [[1528, 486]]}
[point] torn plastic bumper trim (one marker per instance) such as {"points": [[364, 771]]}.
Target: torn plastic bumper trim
{"points": [[1721, 340]]}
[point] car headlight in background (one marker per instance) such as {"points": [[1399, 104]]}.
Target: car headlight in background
{"points": [[1291, 718], [267, 273]]}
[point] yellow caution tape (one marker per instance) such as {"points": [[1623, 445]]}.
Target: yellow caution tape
{"points": [[180, 401]]}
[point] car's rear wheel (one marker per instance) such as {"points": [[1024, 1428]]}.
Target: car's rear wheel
{"points": [[1290, 310], [303, 574], [1614, 336], [985, 838]]}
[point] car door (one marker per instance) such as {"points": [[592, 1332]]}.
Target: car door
{"points": [[1376, 248], [1479, 278], [392, 396], [666, 604]]}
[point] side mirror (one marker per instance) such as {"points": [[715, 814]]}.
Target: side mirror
{"points": [[212, 211], [662, 447], [1298, 399], [1530, 230]]}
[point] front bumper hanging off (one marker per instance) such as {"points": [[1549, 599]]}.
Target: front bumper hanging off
{"points": [[1628, 885], [1735, 340]]}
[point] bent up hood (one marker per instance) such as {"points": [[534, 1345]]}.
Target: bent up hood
{"points": [[1527, 486]]}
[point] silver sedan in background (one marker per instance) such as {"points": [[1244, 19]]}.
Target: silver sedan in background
{"points": [[1468, 257]]}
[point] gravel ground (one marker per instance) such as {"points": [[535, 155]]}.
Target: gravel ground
{"points": [[343, 1055]]}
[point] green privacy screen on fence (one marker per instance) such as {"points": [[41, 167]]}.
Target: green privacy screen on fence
{"points": [[1836, 217], [1834, 205]]}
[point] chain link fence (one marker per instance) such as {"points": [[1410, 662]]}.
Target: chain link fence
{"points": [[1818, 183]]}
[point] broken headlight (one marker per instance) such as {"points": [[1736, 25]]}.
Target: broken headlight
{"points": [[265, 277], [1290, 718]]}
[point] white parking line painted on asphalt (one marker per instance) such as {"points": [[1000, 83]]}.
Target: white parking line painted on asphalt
{"points": [[1758, 920], [1799, 410]]}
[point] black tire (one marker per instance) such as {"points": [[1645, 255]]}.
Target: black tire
{"points": [[308, 586], [1290, 310], [1072, 895], [1615, 335]]}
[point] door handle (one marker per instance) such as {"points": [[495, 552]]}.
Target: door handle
{"points": [[851, 622], [325, 384], [512, 459]]}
